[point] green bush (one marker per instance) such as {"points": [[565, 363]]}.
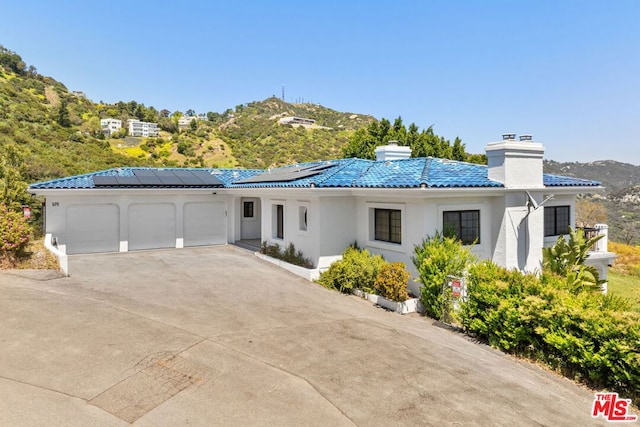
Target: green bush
{"points": [[289, 254], [14, 232], [587, 336], [435, 259], [391, 282], [357, 269], [567, 257]]}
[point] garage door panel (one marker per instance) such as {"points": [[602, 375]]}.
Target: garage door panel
{"points": [[152, 226], [204, 223], [92, 228]]}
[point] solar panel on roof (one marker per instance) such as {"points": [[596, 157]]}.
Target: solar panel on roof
{"points": [[160, 178], [104, 181], [168, 178], [147, 178], [285, 174], [127, 180], [144, 172], [187, 178], [207, 178]]}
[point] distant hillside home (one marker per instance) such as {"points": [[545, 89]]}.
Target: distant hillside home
{"points": [[185, 121], [142, 129], [79, 94], [296, 121], [506, 211], [109, 125]]}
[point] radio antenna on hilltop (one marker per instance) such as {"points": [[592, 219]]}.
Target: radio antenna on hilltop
{"points": [[283, 92]]}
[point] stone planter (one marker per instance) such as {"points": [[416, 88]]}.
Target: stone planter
{"points": [[411, 305]]}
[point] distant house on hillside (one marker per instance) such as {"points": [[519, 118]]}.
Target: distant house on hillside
{"points": [[185, 121], [79, 94], [142, 129], [109, 125], [296, 121]]}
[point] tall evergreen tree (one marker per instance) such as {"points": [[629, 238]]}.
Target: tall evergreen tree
{"points": [[62, 116]]}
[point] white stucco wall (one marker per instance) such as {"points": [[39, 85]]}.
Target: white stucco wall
{"points": [[519, 231], [304, 240], [337, 224], [421, 217], [57, 206]]}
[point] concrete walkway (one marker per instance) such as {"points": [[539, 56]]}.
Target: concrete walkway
{"points": [[214, 336]]}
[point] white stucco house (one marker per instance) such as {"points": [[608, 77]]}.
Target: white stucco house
{"points": [[509, 208], [110, 125]]}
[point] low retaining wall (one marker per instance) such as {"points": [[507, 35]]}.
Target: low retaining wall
{"points": [[63, 259], [305, 273]]}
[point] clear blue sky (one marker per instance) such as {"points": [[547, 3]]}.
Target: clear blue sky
{"points": [[566, 71]]}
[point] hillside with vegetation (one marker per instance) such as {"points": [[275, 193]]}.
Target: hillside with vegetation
{"points": [[58, 132], [620, 197], [257, 139]]}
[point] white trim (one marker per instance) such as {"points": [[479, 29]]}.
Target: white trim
{"points": [[274, 220]]}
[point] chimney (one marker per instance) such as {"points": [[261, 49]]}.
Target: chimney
{"points": [[516, 164], [393, 151]]}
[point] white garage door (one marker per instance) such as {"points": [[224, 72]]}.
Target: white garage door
{"points": [[152, 226], [93, 228], [205, 223]]}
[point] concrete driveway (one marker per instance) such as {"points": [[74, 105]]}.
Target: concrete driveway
{"points": [[215, 336]]}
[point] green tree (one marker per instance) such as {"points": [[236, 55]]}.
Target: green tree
{"points": [[213, 116], [13, 188], [14, 232], [11, 61], [62, 115], [458, 152]]}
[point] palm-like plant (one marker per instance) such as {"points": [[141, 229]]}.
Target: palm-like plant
{"points": [[567, 257]]}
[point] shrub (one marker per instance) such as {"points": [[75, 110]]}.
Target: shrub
{"points": [[567, 258], [391, 282], [289, 255], [14, 232], [586, 336], [357, 269], [435, 259]]}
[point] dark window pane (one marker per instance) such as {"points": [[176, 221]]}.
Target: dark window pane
{"points": [[388, 225], [280, 221], [464, 225], [248, 209], [562, 220], [549, 222], [556, 220]]}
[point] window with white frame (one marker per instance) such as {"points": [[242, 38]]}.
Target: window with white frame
{"points": [[387, 225], [556, 220], [302, 218], [462, 224], [278, 221]]}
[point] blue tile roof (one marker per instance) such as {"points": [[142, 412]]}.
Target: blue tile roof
{"points": [[567, 181], [347, 173]]}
